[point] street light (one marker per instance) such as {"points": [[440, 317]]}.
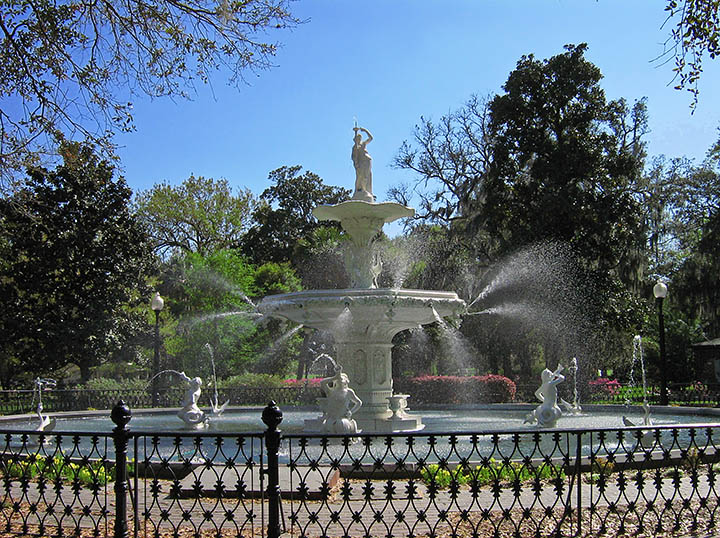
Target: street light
{"points": [[660, 292], [157, 305]]}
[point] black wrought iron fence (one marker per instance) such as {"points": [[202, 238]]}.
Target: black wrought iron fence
{"points": [[25, 401], [654, 479], [690, 394]]}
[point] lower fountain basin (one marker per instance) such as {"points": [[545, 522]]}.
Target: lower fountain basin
{"points": [[363, 323], [438, 419]]}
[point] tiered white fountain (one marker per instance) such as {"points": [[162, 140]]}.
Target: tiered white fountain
{"points": [[364, 319]]}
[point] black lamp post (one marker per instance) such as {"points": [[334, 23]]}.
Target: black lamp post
{"points": [[660, 292], [157, 305]]}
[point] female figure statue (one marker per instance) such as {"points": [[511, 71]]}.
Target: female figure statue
{"points": [[190, 412], [548, 412], [339, 404], [363, 166]]}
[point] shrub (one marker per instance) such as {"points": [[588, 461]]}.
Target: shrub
{"points": [[604, 387], [311, 382], [106, 383], [261, 381], [488, 388], [56, 468], [482, 475]]}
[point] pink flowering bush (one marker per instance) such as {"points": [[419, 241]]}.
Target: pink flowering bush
{"points": [[488, 388], [604, 387], [311, 382]]}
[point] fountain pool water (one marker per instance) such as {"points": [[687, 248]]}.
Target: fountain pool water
{"points": [[473, 429], [479, 418]]}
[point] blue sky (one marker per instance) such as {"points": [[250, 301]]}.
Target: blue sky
{"points": [[388, 62]]}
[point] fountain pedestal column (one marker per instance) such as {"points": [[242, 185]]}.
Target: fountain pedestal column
{"points": [[369, 367]]}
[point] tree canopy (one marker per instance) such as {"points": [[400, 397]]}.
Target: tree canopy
{"points": [[73, 262], [200, 215], [564, 161], [284, 219], [71, 68]]}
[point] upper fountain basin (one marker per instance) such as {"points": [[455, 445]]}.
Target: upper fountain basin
{"points": [[362, 220], [347, 313]]}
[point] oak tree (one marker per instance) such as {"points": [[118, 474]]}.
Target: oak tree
{"points": [[200, 215], [70, 69]]}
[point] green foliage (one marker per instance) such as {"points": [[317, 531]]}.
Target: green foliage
{"points": [[71, 65], [441, 260], [600, 469], [208, 299], [548, 165], [272, 278], [214, 282], [59, 468], [118, 370], [74, 265], [492, 471], [564, 160], [695, 36], [198, 216], [105, 383], [284, 223], [688, 252], [253, 380]]}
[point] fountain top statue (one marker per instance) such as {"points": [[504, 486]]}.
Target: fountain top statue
{"points": [[361, 217], [363, 166]]}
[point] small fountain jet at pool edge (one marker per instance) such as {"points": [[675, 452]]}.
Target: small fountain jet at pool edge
{"points": [[574, 407], [46, 423], [215, 409], [638, 357], [548, 412]]}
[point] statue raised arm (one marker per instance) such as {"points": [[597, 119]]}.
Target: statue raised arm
{"points": [[363, 166]]}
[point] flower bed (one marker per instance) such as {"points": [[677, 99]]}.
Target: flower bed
{"points": [[488, 388]]}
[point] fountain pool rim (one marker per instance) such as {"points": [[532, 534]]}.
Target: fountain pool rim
{"points": [[712, 414]]}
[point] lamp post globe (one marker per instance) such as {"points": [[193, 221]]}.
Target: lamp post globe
{"points": [[660, 291], [156, 304]]}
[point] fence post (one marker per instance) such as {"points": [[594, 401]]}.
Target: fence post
{"points": [[578, 480], [121, 415], [272, 417]]}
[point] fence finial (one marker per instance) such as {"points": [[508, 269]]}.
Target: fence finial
{"points": [[272, 415]]}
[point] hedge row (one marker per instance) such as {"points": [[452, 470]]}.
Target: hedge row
{"points": [[434, 389]]}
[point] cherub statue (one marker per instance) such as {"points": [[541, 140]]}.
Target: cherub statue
{"points": [[339, 404], [548, 412]]}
